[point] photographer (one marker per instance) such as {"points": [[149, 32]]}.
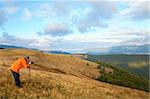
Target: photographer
{"points": [[20, 63]]}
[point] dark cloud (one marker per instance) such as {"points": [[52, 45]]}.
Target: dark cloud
{"points": [[56, 29]]}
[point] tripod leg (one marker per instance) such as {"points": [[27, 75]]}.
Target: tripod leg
{"points": [[29, 75]]}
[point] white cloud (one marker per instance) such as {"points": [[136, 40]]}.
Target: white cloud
{"points": [[110, 37], [12, 9], [44, 11], [7, 8], [83, 15], [42, 43], [3, 17], [56, 29], [61, 7], [53, 10], [10, 6], [98, 15], [27, 14], [137, 10]]}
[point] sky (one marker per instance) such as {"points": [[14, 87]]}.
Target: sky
{"points": [[74, 25]]}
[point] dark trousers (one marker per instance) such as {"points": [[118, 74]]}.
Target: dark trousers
{"points": [[17, 78]]}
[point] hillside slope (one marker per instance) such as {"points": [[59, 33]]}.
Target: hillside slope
{"points": [[52, 62], [58, 77], [138, 64]]}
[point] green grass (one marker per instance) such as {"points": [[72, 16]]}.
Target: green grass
{"points": [[138, 64], [123, 78]]}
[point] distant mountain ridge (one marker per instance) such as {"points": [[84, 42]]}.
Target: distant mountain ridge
{"points": [[123, 49], [56, 52], [13, 46], [10, 46], [130, 49], [50, 52]]}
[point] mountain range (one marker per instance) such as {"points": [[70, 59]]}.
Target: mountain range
{"points": [[56, 52], [9, 46], [122, 49]]}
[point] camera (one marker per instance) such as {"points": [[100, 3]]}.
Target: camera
{"points": [[30, 62]]}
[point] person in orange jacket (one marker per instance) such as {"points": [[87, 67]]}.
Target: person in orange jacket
{"points": [[20, 63]]}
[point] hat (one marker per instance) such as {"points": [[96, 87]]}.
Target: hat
{"points": [[26, 57]]}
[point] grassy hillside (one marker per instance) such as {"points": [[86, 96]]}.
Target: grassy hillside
{"points": [[59, 63], [58, 77], [122, 77], [138, 64]]}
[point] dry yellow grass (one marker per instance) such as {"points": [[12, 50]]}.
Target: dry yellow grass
{"points": [[50, 85], [49, 80], [57, 63]]}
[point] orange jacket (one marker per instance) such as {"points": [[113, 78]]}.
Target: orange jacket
{"points": [[18, 64]]}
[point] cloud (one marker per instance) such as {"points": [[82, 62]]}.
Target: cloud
{"points": [[97, 37], [86, 24], [3, 17], [103, 9], [137, 10], [6, 8], [139, 38], [27, 14], [98, 16], [136, 41], [54, 9], [78, 24], [11, 39], [61, 7], [44, 11], [127, 36], [11, 7], [77, 45], [40, 43], [7, 36], [83, 15], [56, 29]]}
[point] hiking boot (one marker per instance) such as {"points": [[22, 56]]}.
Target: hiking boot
{"points": [[19, 90], [20, 86]]}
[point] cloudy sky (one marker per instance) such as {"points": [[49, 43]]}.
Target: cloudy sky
{"points": [[74, 25]]}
